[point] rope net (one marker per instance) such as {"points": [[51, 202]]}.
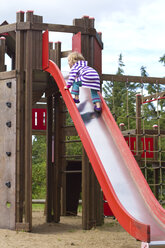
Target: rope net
{"points": [[138, 109]]}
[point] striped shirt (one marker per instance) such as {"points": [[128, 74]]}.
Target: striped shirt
{"points": [[89, 77]]}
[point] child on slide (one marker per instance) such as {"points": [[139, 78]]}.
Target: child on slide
{"points": [[81, 75]]}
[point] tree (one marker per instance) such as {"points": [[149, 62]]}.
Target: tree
{"points": [[39, 167], [120, 70], [162, 59], [143, 71], [120, 98]]}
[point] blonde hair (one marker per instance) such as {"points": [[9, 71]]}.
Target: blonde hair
{"points": [[75, 57]]}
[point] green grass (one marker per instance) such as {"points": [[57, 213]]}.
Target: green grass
{"points": [[80, 208], [38, 207], [41, 207]]}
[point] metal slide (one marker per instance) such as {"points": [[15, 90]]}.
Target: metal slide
{"points": [[118, 173]]}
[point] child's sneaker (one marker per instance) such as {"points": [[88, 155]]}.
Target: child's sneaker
{"points": [[76, 100], [97, 109]]}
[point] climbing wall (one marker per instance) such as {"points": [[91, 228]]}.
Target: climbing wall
{"points": [[7, 152]]}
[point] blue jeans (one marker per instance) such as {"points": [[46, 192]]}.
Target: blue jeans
{"points": [[94, 94]]}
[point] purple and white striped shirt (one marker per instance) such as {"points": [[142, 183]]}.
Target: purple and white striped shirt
{"points": [[89, 77]]}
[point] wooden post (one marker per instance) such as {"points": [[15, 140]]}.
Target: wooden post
{"points": [[2, 54], [20, 122], [121, 126], [54, 106], [138, 127], [57, 155], [49, 159], [37, 44], [28, 121], [92, 195], [86, 203], [156, 170], [61, 165], [58, 54]]}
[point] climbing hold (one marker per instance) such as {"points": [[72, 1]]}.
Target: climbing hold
{"points": [[8, 184], [8, 154], [8, 124], [8, 104], [8, 204], [9, 84]]}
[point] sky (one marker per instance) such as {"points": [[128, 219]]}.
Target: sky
{"points": [[133, 28]]}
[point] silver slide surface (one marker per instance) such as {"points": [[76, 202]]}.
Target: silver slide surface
{"points": [[118, 174]]}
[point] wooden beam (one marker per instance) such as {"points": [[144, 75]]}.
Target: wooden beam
{"points": [[65, 54], [43, 26], [70, 131], [38, 132], [153, 96], [7, 74], [126, 78], [7, 28], [147, 132]]}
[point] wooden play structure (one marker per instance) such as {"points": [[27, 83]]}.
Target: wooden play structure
{"points": [[21, 91]]}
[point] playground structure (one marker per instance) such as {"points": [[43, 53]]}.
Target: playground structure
{"points": [[27, 79], [23, 87]]}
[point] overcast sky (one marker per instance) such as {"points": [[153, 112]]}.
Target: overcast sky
{"points": [[135, 28]]}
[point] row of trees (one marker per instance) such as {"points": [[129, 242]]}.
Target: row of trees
{"points": [[121, 97]]}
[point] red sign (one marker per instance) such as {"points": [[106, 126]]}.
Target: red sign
{"points": [[39, 117], [147, 146]]}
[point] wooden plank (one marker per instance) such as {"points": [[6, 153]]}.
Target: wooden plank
{"points": [[45, 26], [7, 162], [22, 227], [40, 106], [58, 28], [127, 78], [70, 131], [38, 132], [7, 28], [7, 75], [129, 132]]}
